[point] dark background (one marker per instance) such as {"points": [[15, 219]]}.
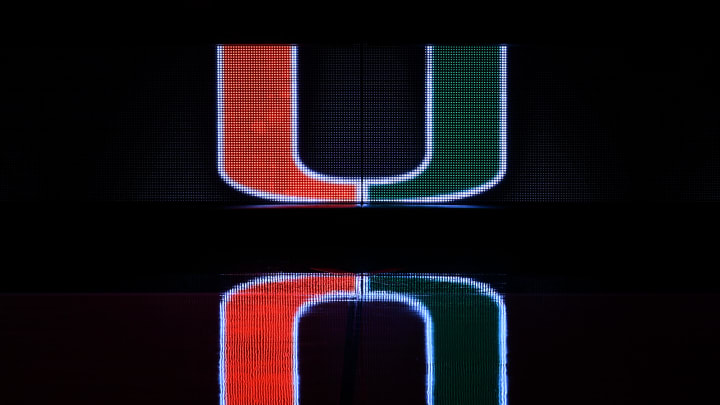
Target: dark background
{"points": [[602, 235], [587, 123]]}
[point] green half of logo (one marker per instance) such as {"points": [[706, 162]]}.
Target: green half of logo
{"points": [[465, 125], [468, 338]]}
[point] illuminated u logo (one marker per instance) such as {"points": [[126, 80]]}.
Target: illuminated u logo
{"points": [[464, 332], [464, 128]]}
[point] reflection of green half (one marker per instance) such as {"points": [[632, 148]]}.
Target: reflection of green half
{"points": [[466, 127], [466, 337]]}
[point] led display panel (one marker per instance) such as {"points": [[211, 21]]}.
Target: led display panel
{"points": [[317, 338], [361, 124]]}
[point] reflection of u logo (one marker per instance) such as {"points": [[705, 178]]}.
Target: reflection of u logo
{"points": [[465, 129], [464, 334]]}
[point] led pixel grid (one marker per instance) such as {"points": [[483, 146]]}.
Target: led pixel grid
{"points": [[283, 335], [356, 124]]}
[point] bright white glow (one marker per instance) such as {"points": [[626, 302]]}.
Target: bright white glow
{"points": [[362, 186], [385, 296], [362, 281]]}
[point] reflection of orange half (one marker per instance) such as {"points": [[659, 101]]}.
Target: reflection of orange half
{"points": [[258, 336], [257, 126]]}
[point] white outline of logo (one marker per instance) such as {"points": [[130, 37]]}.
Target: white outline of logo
{"points": [[361, 291], [363, 185]]}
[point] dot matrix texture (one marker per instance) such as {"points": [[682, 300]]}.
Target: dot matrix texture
{"points": [[465, 123], [423, 124], [459, 324], [466, 323], [257, 125]]}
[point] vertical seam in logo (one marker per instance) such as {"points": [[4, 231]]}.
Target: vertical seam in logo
{"points": [[362, 283], [384, 296], [295, 144], [503, 146], [362, 187], [428, 131]]}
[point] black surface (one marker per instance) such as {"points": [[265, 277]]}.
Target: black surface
{"points": [[121, 247], [150, 348], [329, 109], [362, 353], [393, 102], [606, 302], [361, 109], [628, 123]]}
